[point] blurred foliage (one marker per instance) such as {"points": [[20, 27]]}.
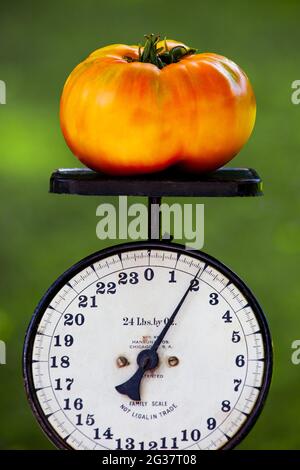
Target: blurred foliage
{"points": [[42, 234]]}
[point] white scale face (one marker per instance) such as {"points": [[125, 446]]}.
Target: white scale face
{"points": [[85, 339]]}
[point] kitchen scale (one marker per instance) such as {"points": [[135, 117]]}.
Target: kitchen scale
{"points": [[149, 345]]}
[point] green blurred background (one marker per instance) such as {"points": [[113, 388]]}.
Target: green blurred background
{"points": [[42, 234]]}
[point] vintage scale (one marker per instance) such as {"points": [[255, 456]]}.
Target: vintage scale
{"points": [[148, 345]]}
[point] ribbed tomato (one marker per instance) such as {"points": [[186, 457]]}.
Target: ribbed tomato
{"points": [[129, 110]]}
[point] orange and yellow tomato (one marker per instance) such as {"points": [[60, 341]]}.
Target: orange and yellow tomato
{"points": [[123, 116]]}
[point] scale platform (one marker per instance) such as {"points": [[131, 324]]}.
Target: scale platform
{"points": [[224, 182]]}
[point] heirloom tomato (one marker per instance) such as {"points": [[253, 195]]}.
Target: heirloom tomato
{"points": [[131, 109]]}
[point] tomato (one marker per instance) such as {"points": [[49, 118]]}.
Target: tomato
{"points": [[129, 109]]}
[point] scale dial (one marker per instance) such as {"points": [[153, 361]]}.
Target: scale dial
{"points": [[214, 361]]}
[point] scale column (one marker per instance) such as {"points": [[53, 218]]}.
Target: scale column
{"points": [[154, 218]]}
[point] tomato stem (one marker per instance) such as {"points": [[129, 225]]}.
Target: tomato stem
{"points": [[161, 56]]}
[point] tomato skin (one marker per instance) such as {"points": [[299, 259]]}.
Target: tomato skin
{"points": [[126, 118]]}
